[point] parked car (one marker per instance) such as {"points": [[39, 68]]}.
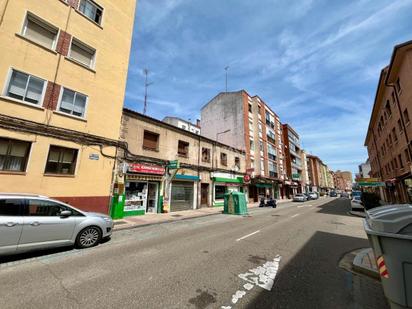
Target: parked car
{"points": [[344, 195], [308, 197], [31, 222], [313, 195], [299, 198], [333, 194], [356, 203]]}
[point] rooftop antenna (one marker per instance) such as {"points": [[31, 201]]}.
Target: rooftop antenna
{"points": [[226, 68], [146, 84]]}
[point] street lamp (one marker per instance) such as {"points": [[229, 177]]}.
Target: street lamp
{"points": [[223, 132]]}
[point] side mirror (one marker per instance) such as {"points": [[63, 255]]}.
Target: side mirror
{"points": [[65, 213]]}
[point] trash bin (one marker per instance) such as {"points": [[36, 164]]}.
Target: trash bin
{"points": [[389, 229], [235, 203]]}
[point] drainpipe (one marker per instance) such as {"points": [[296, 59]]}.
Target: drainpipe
{"points": [[199, 186], [4, 12]]}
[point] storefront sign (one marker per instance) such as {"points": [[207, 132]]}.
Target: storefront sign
{"points": [[173, 164], [371, 184], [146, 169], [246, 178], [368, 180]]}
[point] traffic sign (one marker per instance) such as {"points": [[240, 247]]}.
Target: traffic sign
{"points": [[173, 164]]}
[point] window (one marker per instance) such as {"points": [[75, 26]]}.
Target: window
{"points": [[183, 149], [184, 127], [393, 98], [237, 162], [252, 145], [39, 31], [406, 115], [25, 87], [271, 137], [400, 161], [271, 152], [61, 160], [220, 192], [261, 145], [91, 10], [259, 109], [400, 125], [407, 155], [396, 163], [73, 103], [250, 108], [42, 208], [206, 155], [390, 139], [10, 207], [82, 53], [398, 86], [223, 159], [395, 137], [14, 155], [388, 108], [150, 141]]}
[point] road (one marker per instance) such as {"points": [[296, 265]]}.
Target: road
{"points": [[220, 261]]}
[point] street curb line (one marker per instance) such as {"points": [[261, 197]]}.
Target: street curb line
{"points": [[357, 266], [355, 214]]}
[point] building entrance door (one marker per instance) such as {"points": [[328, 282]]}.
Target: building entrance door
{"points": [[152, 194], [204, 194]]}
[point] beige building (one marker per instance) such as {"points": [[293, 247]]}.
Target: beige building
{"points": [[208, 169], [63, 70]]}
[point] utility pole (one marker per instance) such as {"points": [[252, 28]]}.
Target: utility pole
{"points": [[226, 68], [146, 84]]}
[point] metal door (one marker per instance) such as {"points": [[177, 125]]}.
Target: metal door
{"points": [[204, 193], [11, 224], [182, 196]]}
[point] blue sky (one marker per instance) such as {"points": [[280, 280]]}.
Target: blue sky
{"points": [[315, 62]]}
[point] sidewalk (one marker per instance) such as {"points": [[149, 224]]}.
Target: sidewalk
{"points": [[150, 219], [364, 262]]}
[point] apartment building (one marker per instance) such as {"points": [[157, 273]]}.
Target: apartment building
{"points": [[365, 169], [291, 142], [248, 123], [63, 70], [183, 124], [305, 183], [168, 169], [343, 180], [388, 139]]}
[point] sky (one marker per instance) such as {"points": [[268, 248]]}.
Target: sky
{"points": [[316, 63]]}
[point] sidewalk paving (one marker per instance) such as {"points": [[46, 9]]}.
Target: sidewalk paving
{"points": [[150, 219], [364, 262]]}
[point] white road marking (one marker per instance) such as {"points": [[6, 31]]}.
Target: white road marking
{"points": [[262, 276], [300, 206], [246, 236], [295, 215]]}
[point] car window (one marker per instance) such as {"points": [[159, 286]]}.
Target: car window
{"points": [[10, 207], [44, 208]]}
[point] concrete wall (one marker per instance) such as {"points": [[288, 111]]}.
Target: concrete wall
{"points": [[224, 112]]}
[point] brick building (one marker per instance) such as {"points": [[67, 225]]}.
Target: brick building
{"points": [[388, 138], [293, 162]]}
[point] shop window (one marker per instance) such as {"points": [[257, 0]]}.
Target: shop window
{"points": [[91, 10], [150, 141], [223, 159], [237, 162], [13, 155], [220, 192], [183, 149], [406, 115], [39, 31], [205, 155], [25, 87], [61, 160]]}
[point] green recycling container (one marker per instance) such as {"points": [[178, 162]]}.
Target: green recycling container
{"points": [[235, 204]]}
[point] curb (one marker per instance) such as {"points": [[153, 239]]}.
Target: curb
{"points": [[357, 265], [356, 214]]}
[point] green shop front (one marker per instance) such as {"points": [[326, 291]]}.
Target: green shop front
{"points": [[225, 183], [143, 185]]}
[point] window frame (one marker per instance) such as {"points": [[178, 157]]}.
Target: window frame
{"points": [[223, 158], [157, 144], [59, 102], [187, 146], [7, 85], [92, 20], [62, 174], [208, 154], [45, 23], [85, 46], [27, 155]]}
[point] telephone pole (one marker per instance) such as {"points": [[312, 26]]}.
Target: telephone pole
{"points": [[146, 84]]}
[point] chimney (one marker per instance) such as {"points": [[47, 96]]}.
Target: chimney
{"points": [[198, 122]]}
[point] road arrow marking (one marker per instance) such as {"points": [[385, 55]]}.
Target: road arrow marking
{"points": [[294, 216]]}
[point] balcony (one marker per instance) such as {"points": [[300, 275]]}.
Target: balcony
{"points": [[296, 176], [273, 174], [296, 165]]}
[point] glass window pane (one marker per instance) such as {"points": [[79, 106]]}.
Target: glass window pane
{"points": [[44, 208], [68, 156], [66, 104], [79, 105], [81, 54], [10, 207], [34, 90], [17, 85], [54, 155], [4, 144], [18, 149]]}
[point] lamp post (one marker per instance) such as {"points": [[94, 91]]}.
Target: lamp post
{"points": [[223, 132], [214, 148]]}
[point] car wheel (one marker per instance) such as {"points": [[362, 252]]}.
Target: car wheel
{"points": [[88, 237]]}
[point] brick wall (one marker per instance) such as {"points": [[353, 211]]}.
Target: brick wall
{"points": [[51, 96], [63, 43]]}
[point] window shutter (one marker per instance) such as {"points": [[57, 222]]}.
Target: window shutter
{"points": [[150, 140]]}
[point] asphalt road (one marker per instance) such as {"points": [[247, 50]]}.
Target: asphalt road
{"points": [[275, 258]]}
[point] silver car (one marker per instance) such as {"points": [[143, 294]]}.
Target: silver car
{"points": [[299, 198], [30, 222]]}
